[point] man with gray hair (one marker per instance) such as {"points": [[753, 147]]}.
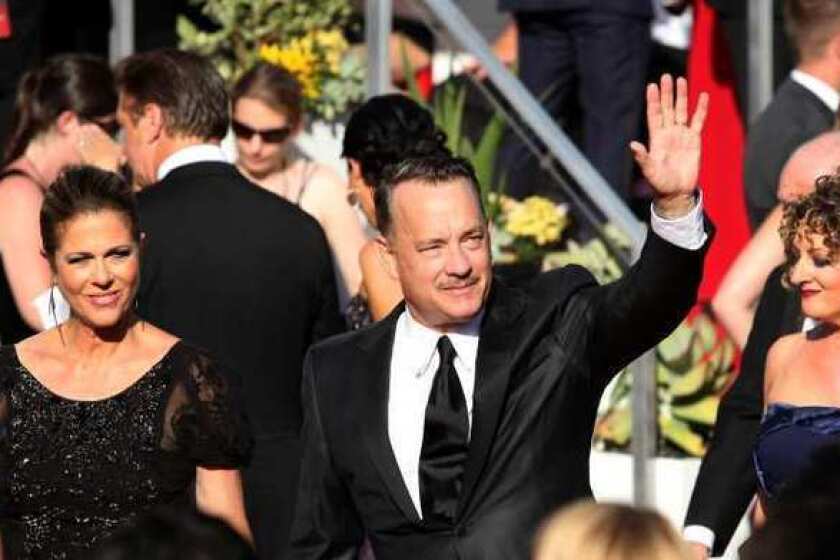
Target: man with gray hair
{"points": [[227, 265]]}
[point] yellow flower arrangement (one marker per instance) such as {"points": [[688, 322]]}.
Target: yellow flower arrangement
{"points": [[537, 218], [310, 58], [526, 230], [303, 36]]}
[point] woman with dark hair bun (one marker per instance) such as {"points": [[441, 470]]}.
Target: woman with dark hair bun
{"points": [[64, 115], [385, 130], [106, 416], [267, 114]]}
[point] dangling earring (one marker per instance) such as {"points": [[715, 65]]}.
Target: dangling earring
{"points": [[52, 303], [54, 314]]}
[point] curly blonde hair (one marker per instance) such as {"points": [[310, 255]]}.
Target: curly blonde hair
{"points": [[817, 213]]}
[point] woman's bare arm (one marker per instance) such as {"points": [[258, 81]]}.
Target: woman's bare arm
{"points": [[27, 271], [326, 198], [736, 299], [218, 493]]}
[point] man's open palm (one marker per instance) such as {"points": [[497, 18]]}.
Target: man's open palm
{"points": [[672, 161]]}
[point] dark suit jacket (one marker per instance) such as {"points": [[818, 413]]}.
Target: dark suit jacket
{"points": [[738, 8], [632, 7], [238, 270], [727, 480], [544, 358], [794, 116]]}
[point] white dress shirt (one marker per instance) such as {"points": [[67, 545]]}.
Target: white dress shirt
{"points": [[191, 154], [414, 361], [825, 92]]}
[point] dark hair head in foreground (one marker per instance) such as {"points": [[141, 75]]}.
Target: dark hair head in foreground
{"points": [[175, 534]]}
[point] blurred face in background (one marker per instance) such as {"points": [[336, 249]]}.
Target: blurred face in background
{"points": [[140, 135], [97, 267], [262, 136]]}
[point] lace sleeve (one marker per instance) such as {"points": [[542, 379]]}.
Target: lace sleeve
{"points": [[7, 377], [204, 418]]}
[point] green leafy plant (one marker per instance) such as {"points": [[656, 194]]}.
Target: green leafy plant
{"points": [[693, 367], [304, 36], [447, 107]]}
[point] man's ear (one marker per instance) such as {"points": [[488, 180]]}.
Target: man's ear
{"points": [[833, 47], [152, 122], [387, 257]]}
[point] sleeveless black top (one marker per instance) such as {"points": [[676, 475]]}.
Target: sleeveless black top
{"points": [[13, 328]]}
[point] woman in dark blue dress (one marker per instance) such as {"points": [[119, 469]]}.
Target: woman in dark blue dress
{"points": [[802, 380]]}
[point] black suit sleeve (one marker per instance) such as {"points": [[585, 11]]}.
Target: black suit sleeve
{"points": [[634, 313], [727, 481], [327, 525], [328, 320]]}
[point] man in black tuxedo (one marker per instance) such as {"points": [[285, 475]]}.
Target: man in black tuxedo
{"points": [[803, 106], [727, 481], [592, 56], [452, 427], [733, 18], [227, 265]]}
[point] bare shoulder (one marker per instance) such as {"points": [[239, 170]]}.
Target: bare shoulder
{"points": [[323, 182], [785, 348], [19, 190], [780, 356], [42, 350], [154, 340]]}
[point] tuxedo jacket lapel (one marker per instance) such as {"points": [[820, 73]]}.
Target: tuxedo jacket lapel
{"points": [[500, 334], [375, 374]]}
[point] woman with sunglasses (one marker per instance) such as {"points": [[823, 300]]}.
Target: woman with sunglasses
{"points": [[267, 114], [64, 115]]}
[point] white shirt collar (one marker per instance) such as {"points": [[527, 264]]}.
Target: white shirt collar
{"points": [[191, 154], [424, 340], [825, 92]]}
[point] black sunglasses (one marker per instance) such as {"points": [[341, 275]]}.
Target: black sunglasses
{"points": [[269, 135]]}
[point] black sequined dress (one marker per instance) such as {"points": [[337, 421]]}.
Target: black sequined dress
{"points": [[71, 472]]}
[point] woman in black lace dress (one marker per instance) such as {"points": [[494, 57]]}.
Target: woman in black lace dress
{"points": [[107, 416]]}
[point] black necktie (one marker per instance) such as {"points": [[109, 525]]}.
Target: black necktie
{"points": [[445, 438]]}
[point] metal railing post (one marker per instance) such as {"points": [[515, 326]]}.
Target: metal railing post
{"points": [[760, 56], [121, 40], [377, 31], [645, 430]]}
